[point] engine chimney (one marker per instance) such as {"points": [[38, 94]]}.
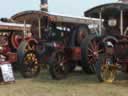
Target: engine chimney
{"points": [[44, 5]]}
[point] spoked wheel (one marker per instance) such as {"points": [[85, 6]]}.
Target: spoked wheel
{"points": [[58, 65], [106, 69], [31, 66], [93, 51], [90, 52], [28, 59]]}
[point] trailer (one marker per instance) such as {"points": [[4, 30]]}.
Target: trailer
{"points": [[60, 40], [112, 41]]}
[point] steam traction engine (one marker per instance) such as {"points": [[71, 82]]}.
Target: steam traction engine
{"points": [[11, 36], [60, 40], [68, 35], [111, 43]]}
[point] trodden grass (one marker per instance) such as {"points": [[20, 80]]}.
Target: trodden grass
{"points": [[76, 84]]}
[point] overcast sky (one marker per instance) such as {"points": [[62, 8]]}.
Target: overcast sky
{"points": [[68, 7]]}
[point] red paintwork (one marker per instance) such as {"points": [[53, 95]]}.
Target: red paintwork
{"points": [[15, 40], [76, 53], [5, 49], [12, 57], [46, 58], [4, 62]]}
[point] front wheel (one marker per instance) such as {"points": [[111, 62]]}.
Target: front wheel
{"points": [[58, 67], [106, 72], [30, 65], [28, 59]]}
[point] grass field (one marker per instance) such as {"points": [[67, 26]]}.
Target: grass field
{"points": [[77, 84]]}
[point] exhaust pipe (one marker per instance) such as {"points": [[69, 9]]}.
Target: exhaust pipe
{"points": [[44, 5]]}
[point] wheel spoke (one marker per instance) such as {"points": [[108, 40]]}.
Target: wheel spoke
{"points": [[94, 44], [94, 59], [31, 64], [90, 61], [90, 55], [93, 52], [100, 50], [89, 49]]}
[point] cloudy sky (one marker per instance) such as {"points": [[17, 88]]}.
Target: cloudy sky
{"points": [[68, 7]]}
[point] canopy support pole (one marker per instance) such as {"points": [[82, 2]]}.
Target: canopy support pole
{"points": [[121, 22], [25, 28], [39, 30], [100, 24]]}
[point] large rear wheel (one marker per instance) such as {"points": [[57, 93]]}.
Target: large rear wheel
{"points": [[90, 51]]}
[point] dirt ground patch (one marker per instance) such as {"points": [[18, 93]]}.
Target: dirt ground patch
{"points": [[76, 84]]}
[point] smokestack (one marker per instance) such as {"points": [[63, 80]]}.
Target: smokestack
{"points": [[44, 5]]}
